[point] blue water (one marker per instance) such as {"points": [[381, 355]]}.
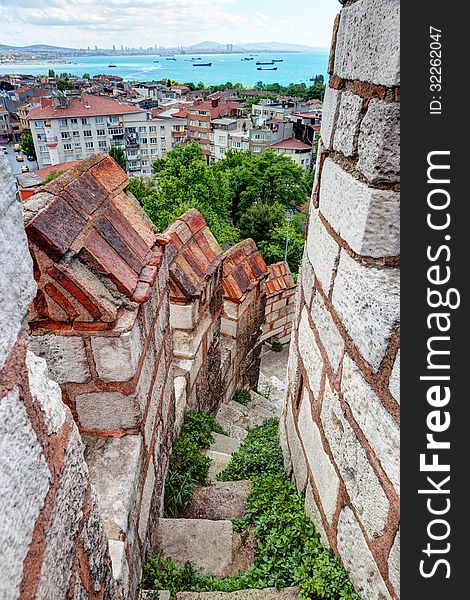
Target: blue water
{"points": [[295, 68]]}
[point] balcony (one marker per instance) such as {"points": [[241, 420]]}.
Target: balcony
{"points": [[133, 167]]}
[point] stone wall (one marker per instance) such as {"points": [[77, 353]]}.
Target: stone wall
{"points": [[280, 293], [340, 426], [244, 273], [52, 540], [101, 321]]}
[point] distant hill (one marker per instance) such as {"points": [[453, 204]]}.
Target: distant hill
{"points": [[35, 48], [269, 46]]}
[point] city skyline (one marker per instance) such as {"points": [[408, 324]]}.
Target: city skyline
{"points": [[83, 23]]}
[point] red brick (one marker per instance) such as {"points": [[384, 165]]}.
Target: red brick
{"points": [[61, 300], [109, 175], [118, 242], [196, 222], [148, 275], [40, 304], [142, 292], [336, 82], [85, 194], [107, 261], [205, 247], [369, 90], [127, 232], [75, 291]]}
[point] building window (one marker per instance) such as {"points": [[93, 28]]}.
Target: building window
{"points": [[221, 139], [88, 144], [153, 151], [256, 148], [113, 119], [142, 129], [67, 146], [152, 128], [84, 121], [87, 133], [42, 148], [102, 144], [65, 135], [162, 127], [154, 140], [100, 132], [78, 145], [39, 124], [74, 121], [75, 134], [143, 140], [63, 122], [144, 152], [193, 123], [69, 158], [41, 137], [99, 120], [46, 161]]}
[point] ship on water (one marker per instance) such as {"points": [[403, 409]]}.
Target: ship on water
{"points": [[258, 62], [267, 69], [198, 64]]}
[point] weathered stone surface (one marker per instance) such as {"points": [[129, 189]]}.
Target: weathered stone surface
{"points": [[330, 112], [219, 461], [17, 287], [379, 142], [117, 551], [24, 482], [330, 337], [394, 564], [372, 507], [65, 357], [310, 354], [324, 474], [394, 382], [114, 465], [224, 444], [358, 560], [367, 301], [221, 500], [147, 495], [297, 455], [323, 252], [63, 530], [107, 410], [116, 358], [208, 543], [180, 402], [367, 44], [307, 278], [46, 392], [182, 316], [266, 594], [367, 219], [234, 413], [313, 512], [346, 132], [379, 427]]}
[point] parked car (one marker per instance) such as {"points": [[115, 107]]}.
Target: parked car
{"points": [[30, 158], [25, 169], [16, 147], [20, 158]]}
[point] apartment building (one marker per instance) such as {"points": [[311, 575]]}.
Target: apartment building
{"points": [[5, 125], [172, 123], [72, 128], [299, 152], [274, 109], [200, 115]]}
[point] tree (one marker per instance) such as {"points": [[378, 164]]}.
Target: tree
{"points": [[260, 220], [51, 73], [27, 145], [118, 155], [64, 85], [274, 249], [86, 76]]}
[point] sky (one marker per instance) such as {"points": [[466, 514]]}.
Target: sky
{"points": [[135, 23]]}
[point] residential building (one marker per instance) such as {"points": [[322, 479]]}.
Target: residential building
{"points": [[200, 116], [5, 124], [274, 109], [220, 136], [274, 130], [73, 128], [297, 151]]}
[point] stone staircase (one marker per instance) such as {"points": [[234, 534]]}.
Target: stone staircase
{"points": [[204, 534]]}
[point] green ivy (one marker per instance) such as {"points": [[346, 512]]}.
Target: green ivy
{"points": [[242, 397]]}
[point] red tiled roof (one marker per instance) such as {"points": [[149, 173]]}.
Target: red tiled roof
{"points": [[244, 268], [84, 233], [194, 256], [65, 166], [77, 107], [279, 278], [292, 144], [307, 115]]}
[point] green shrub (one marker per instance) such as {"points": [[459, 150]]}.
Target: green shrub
{"points": [[259, 454], [277, 347], [199, 427], [242, 397]]}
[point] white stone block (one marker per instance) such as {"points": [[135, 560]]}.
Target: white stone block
{"points": [[119, 564], [297, 456], [107, 410], [307, 278], [180, 402], [310, 354], [116, 358], [379, 142], [394, 382], [330, 337], [46, 392], [368, 42], [24, 483], [314, 513], [379, 427], [17, 286], [154, 402], [65, 356], [323, 471], [347, 126], [367, 219], [147, 494], [358, 559], [330, 111], [362, 484], [181, 316], [394, 564], [367, 301], [228, 327], [322, 252]]}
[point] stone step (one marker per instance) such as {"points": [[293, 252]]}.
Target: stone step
{"points": [[272, 405], [213, 546], [235, 414], [221, 500], [219, 460], [225, 444], [266, 594]]}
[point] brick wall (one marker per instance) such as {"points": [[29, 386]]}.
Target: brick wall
{"points": [[101, 321], [280, 292], [52, 540], [244, 273], [340, 426]]}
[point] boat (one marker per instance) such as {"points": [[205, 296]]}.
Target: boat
{"points": [[267, 68], [156, 61], [198, 58], [202, 64], [278, 60], [170, 58], [271, 62], [248, 58], [111, 66]]}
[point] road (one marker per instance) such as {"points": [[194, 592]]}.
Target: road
{"points": [[15, 165]]}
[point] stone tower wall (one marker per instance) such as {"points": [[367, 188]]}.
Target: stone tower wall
{"points": [[340, 427]]}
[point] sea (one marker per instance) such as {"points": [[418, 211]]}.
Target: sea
{"points": [[296, 67]]}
